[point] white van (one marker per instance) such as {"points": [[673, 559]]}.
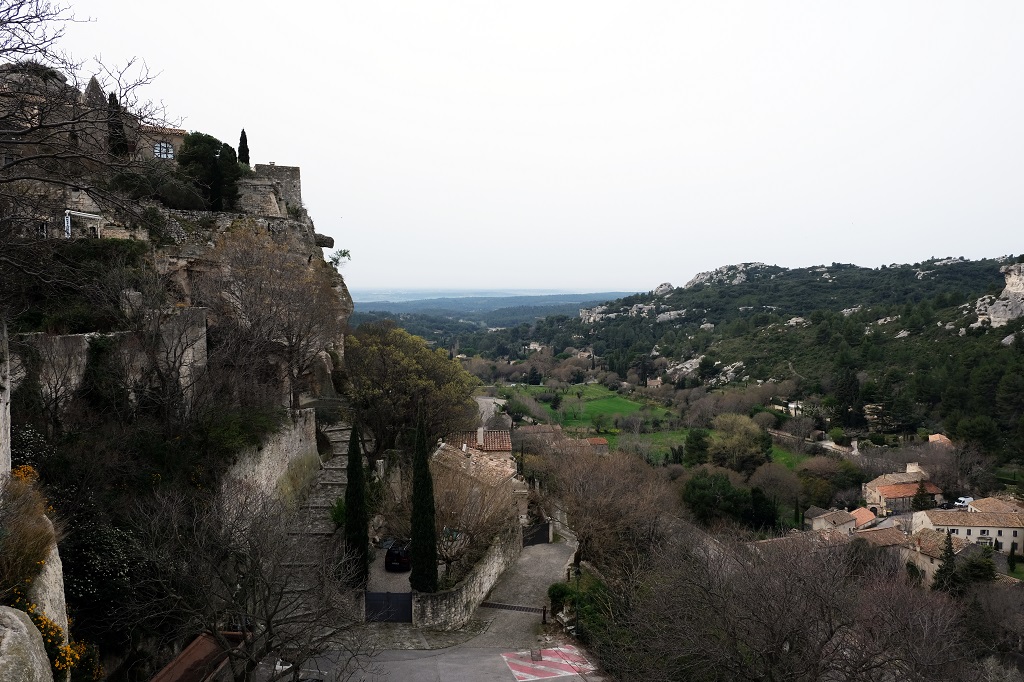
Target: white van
{"points": [[963, 501]]}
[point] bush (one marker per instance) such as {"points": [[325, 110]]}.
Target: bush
{"points": [[338, 512], [26, 536], [559, 594]]}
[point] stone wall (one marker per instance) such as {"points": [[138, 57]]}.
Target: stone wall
{"points": [[283, 461], [286, 180], [451, 609]]}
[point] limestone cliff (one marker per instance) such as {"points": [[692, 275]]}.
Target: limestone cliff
{"points": [[1009, 305], [22, 656]]}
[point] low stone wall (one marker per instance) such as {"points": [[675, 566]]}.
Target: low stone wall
{"points": [[451, 609], [267, 467]]}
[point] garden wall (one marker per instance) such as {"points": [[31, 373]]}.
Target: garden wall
{"points": [[285, 462], [453, 608]]}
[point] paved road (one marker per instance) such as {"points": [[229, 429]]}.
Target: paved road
{"points": [[493, 632]]}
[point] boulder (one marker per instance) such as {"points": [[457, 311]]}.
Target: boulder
{"points": [[22, 656]]}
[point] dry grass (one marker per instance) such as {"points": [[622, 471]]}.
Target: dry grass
{"points": [[26, 535]]}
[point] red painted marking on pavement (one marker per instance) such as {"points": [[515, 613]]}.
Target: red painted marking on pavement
{"points": [[558, 662]]}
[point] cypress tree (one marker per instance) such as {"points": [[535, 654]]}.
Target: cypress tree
{"points": [[243, 148], [117, 141], [1011, 561], [357, 518], [946, 577], [424, 534], [225, 187]]}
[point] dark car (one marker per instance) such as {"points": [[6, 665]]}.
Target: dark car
{"points": [[398, 557]]}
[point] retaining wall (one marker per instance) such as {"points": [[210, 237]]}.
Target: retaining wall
{"points": [[451, 609]]}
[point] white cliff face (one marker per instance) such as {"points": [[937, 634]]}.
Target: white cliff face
{"points": [[1009, 305], [663, 289], [22, 656]]}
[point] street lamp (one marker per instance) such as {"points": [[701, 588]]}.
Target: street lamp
{"points": [[576, 605]]}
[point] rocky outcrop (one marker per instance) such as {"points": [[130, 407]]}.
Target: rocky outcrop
{"points": [[727, 274], [663, 289], [47, 590], [1009, 305], [22, 656]]}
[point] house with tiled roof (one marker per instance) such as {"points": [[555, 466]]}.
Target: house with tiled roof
{"points": [[862, 516], [924, 550], [894, 492], [999, 530], [882, 537], [995, 505], [600, 445], [834, 519], [487, 467], [484, 440]]}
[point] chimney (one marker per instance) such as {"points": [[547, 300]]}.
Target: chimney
{"points": [[480, 437]]}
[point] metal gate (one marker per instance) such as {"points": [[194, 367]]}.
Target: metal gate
{"points": [[389, 607], [537, 534]]}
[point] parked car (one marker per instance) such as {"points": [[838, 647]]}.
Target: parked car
{"points": [[963, 501], [399, 556]]}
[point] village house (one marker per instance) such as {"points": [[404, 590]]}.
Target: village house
{"points": [[999, 530], [816, 518], [891, 493], [994, 505], [924, 550], [497, 441], [862, 516]]}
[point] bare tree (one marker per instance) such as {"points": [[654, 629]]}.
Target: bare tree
{"points": [[269, 301], [469, 512], [230, 568]]}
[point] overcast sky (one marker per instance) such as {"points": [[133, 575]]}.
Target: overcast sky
{"points": [[607, 145]]}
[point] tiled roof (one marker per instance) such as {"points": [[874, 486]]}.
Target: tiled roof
{"points": [[881, 537], [898, 490], [891, 479], [861, 516], [957, 518], [994, 504], [836, 517], [598, 441], [932, 542], [158, 130], [494, 441], [482, 466], [814, 512]]}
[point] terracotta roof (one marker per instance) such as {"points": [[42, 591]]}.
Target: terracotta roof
{"points": [[898, 490], [1006, 579], [994, 504], [862, 515], [932, 542], [957, 518], [494, 441], [198, 661], [598, 441], [882, 537], [940, 439], [158, 130]]}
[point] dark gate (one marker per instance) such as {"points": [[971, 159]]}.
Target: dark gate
{"points": [[537, 534], [389, 607]]}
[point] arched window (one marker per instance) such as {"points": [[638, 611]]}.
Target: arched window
{"points": [[163, 150]]}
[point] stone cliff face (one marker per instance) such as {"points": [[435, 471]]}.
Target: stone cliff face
{"points": [[1009, 305], [22, 656]]}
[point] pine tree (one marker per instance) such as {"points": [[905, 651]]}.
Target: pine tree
{"points": [[357, 518], [424, 534], [243, 148], [921, 500], [946, 577]]}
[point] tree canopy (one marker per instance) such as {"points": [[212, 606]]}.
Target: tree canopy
{"points": [[396, 382]]}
